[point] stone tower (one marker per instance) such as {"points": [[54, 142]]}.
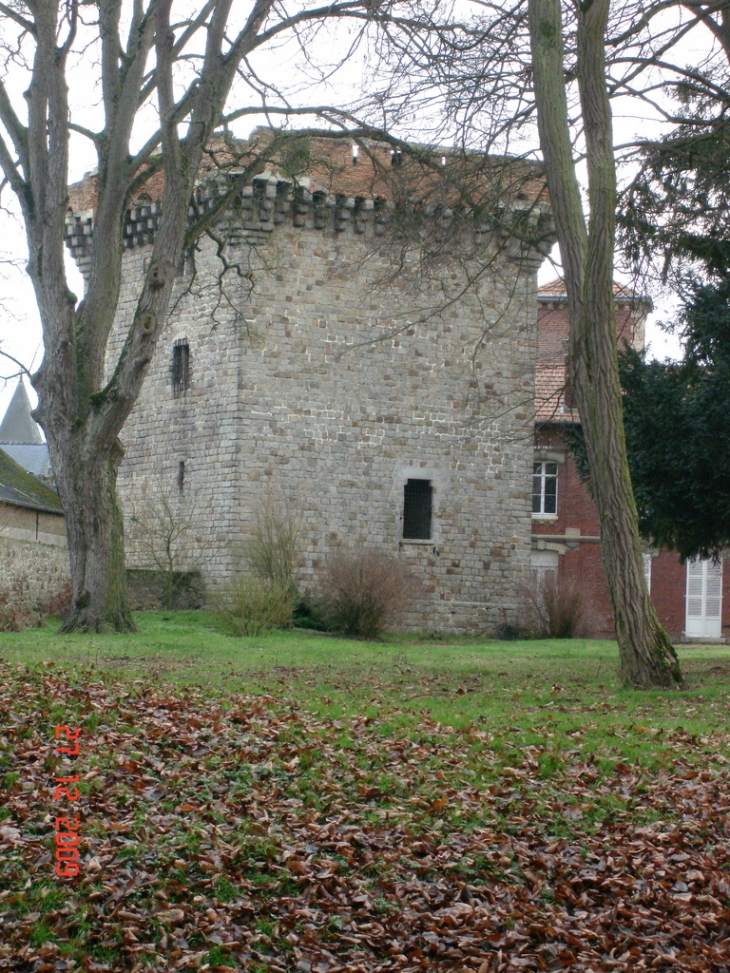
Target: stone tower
{"points": [[367, 361]]}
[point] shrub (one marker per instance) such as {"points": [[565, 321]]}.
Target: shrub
{"points": [[308, 614], [58, 603], [251, 605], [556, 609], [158, 528], [271, 548], [363, 591]]}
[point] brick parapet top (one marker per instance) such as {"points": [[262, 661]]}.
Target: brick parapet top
{"points": [[325, 182], [343, 166]]}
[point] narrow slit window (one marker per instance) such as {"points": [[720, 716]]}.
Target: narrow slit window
{"points": [[417, 510], [180, 366]]}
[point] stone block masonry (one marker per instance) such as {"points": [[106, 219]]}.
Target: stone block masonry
{"points": [[32, 572], [323, 375]]}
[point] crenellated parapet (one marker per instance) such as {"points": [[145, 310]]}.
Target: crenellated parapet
{"points": [[338, 189], [523, 228]]}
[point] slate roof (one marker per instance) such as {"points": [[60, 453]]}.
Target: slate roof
{"points": [[20, 435], [18, 425], [22, 489], [33, 457]]}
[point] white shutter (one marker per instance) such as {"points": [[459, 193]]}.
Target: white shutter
{"points": [[694, 597], [704, 599], [713, 599], [647, 571]]}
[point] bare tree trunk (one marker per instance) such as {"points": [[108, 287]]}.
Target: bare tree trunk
{"points": [[96, 541], [81, 407], [646, 654]]}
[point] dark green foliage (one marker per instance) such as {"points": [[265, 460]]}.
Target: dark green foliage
{"points": [[678, 432], [679, 452], [675, 217], [705, 325], [677, 210], [308, 614]]}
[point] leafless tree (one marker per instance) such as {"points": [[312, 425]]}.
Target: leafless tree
{"points": [[608, 58], [159, 528], [164, 71], [557, 65], [587, 250]]}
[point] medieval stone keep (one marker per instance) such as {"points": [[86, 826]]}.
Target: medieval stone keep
{"points": [[375, 377]]}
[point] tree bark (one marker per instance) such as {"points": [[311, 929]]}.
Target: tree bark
{"points": [[96, 541], [82, 409], [647, 657]]}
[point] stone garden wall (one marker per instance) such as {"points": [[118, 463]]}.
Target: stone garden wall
{"points": [[34, 564]]}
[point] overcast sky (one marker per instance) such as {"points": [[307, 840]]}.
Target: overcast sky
{"points": [[20, 331]]}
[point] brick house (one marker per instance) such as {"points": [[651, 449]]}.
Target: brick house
{"points": [[378, 382], [693, 599]]}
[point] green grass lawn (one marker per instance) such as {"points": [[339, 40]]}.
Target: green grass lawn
{"points": [[299, 802], [536, 687]]}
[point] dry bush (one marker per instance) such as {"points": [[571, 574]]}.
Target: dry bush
{"points": [[363, 591], [158, 527], [556, 609], [272, 547], [19, 609], [250, 605], [58, 603]]}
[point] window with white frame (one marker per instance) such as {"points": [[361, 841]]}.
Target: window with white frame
{"points": [[544, 489]]}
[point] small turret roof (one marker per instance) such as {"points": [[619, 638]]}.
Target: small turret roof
{"points": [[18, 425]]}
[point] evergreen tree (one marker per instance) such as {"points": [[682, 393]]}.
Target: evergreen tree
{"points": [[678, 434], [676, 220]]}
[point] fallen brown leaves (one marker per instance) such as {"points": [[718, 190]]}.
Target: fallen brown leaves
{"points": [[245, 833]]}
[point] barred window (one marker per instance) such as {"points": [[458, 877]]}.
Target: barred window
{"points": [[545, 488], [417, 506], [180, 366]]}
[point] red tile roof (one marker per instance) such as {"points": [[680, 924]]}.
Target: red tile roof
{"points": [[553, 330], [330, 165]]}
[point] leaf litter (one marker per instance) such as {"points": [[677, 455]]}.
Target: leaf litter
{"points": [[246, 833]]}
